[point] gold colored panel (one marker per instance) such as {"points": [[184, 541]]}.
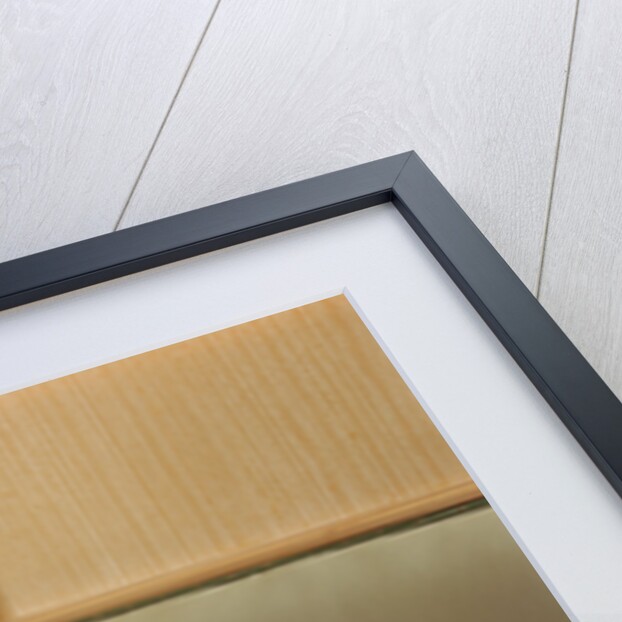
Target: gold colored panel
{"points": [[163, 470], [464, 568]]}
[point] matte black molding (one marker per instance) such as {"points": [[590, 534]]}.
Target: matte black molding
{"points": [[581, 399]]}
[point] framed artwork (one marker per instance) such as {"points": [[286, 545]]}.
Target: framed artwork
{"points": [[360, 310]]}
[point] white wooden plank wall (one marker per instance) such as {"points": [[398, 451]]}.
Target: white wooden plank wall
{"points": [[283, 90], [108, 118], [84, 87]]}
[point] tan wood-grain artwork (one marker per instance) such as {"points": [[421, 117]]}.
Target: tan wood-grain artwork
{"points": [[158, 472]]}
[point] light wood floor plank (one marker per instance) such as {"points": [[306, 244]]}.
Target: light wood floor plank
{"points": [[84, 87], [157, 472], [582, 275], [281, 91]]}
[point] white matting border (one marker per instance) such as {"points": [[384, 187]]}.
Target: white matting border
{"points": [[552, 498]]}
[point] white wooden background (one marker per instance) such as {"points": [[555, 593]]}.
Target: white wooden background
{"points": [[116, 113]]}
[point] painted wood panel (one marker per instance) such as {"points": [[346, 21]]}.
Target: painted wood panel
{"points": [[137, 478], [582, 272], [84, 87], [280, 92]]}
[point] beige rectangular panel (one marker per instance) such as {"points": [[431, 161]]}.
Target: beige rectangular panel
{"points": [[161, 471]]}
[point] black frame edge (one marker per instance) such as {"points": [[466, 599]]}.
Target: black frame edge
{"points": [[102, 258], [571, 387]]}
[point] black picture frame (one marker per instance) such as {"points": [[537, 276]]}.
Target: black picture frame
{"points": [[577, 394]]}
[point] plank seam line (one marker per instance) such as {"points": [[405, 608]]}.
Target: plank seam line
{"points": [[166, 115], [547, 218]]}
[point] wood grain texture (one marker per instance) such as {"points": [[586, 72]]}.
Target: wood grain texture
{"points": [[582, 271], [153, 473], [282, 92], [84, 87]]}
